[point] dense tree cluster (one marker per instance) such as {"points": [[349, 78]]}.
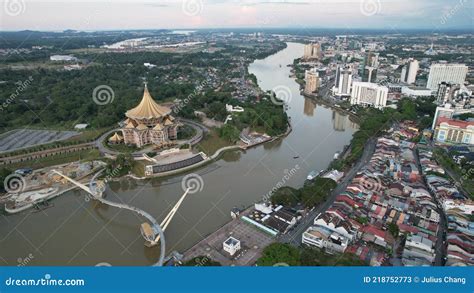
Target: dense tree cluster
{"points": [[287, 196], [229, 132], [311, 194], [120, 166], [63, 98], [278, 253], [282, 254], [265, 116], [59, 99], [374, 122]]}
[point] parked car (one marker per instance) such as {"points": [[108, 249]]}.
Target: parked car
{"points": [[24, 171]]}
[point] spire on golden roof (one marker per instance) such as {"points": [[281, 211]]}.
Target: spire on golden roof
{"points": [[148, 108]]}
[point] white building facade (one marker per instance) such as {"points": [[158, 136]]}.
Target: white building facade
{"points": [[344, 83], [369, 94], [409, 71], [416, 92], [452, 73], [231, 245]]}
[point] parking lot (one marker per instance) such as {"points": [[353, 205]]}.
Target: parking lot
{"points": [[24, 138]]}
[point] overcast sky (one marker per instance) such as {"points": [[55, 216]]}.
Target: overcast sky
{"points": [[128, 14]]}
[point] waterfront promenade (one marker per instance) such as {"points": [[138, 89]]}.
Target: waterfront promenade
{"points": [[252, 242]]}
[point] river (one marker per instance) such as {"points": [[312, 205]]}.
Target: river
{"points": [[79, 232]]}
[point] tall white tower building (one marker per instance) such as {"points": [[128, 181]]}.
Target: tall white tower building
{"points": [[409, 71], [343, 83], [452, 73]]}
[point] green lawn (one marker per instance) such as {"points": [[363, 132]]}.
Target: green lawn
{"points": [[89, 134], [212, 142], [138, 168]]}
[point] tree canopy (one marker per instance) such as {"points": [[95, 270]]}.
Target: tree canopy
{"points": [[285, 254], [279, 253]]}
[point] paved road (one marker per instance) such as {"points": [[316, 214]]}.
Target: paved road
{"points": [[101, 139], [200, 129], [294, 236]]}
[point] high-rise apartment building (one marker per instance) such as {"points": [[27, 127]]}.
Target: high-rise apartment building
{"points": [[312, 81], [368, 69], [343, 82], [452, 73], [369, 94], [312, 51], [409, 71]]}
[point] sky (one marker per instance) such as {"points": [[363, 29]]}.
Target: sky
{"points": [[91, 15]]}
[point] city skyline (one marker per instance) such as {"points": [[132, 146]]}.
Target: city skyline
{"points": [[201, 14]]}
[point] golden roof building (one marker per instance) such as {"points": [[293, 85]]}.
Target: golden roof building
{"points": [[116, 138], [149, 123]]}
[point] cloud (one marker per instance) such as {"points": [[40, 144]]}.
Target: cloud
{"points": [[275, 2], [129, 14]]}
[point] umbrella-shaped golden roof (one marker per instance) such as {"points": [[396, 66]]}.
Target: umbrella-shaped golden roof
{"points": [[116, 137], [148, 108]]}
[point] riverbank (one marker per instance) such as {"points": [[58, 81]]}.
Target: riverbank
{"points": [[214, 157], [332, 104], [43, 185], [236, 179], [211, 245], [13, 208]]}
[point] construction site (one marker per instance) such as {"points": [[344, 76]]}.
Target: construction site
{"points": [[32, 189]]}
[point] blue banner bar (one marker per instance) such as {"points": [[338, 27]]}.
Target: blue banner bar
{"points": [[237, 279]]}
